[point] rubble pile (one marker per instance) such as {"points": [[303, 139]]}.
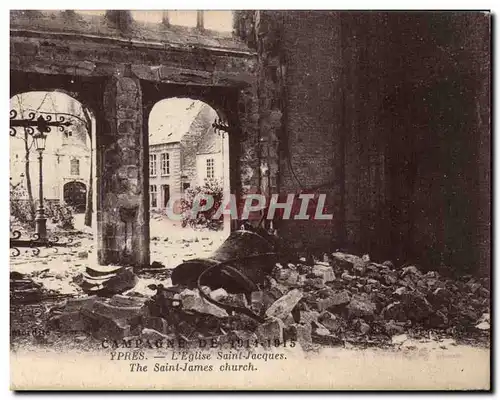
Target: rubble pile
{"points": [[343, 298], [24, 290]]}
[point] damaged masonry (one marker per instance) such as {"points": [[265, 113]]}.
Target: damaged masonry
{"points": [[251, 292], [277, 179]]}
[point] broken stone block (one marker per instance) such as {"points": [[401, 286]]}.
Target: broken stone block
{"points": [[330, 321], [236, 299], [341, 261], [346, 277], [308, 317], [127, 301], [276, 289], [71, 318], [80, 303], [68, 321], [400, 291], [359, 268], [218, 294], [243, 336], [302, 333], [483, 326], [321, 331], [361, 307], [327, 340], [153, 335], [304, 269], [106, 326], [336, 299], [292, 279], [157, 323], [316, 282], [271, 329], [440, 296], [410, 270], [260, 301], [483, 323], [287, 277], [284, 305], [191, 300], [437, 320], [118, 312], [289, 320], [364, 328], [392, 328], [390, 279], [325, 272], [394, 311], [417, 307], [399, 339]]}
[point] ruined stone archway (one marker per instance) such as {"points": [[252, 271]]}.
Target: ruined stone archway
{"points": [[229, 104], [118, 79], [188, 156]]}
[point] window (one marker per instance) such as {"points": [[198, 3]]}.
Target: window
{"points": [[210, 168], [165, 194], [165, 164], [221, 21], [153, 201], [185, 186], [152, 165], [183, 18], [75, 167]]}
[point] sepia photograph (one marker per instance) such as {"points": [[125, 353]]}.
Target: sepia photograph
{"points": [[250, 200]]}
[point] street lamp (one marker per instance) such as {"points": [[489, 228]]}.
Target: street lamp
{"points": [[40, 218]]}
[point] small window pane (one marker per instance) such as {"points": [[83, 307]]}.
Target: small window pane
{"points": [[91, 12], [75, 167], [221, 21], [183, 18], [148, 16]]}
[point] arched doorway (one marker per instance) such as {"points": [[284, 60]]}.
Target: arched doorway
{"points": [[75, 195], [187, 157], [66, 161]]}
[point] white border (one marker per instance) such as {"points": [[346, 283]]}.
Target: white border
{"points": [[185, 4]]}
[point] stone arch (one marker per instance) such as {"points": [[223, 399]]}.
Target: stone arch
{"points": [[78, 91], [223, 100]]}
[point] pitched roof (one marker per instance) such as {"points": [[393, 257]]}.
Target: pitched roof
{"points": [[170, 119]]}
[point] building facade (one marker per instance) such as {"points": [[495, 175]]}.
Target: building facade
{"points": [[186, 151], [66, 159]]}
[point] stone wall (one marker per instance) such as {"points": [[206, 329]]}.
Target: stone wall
{"points": [[122, 220], [387, 114], [415, 117]]}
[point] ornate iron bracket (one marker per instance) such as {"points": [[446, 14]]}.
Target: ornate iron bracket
{"points": [[42, 124], [220, 125], [35, 243]]}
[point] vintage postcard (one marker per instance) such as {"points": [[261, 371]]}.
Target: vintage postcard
{"points": [[220, 200]]}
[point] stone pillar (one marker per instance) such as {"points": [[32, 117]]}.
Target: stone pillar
{"points": [[122, 222]]}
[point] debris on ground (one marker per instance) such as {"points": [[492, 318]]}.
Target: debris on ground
{"points": [[108, 280], [346, 300]]}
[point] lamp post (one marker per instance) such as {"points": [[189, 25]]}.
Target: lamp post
{"points": [[37, 128], [40, 218]]}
